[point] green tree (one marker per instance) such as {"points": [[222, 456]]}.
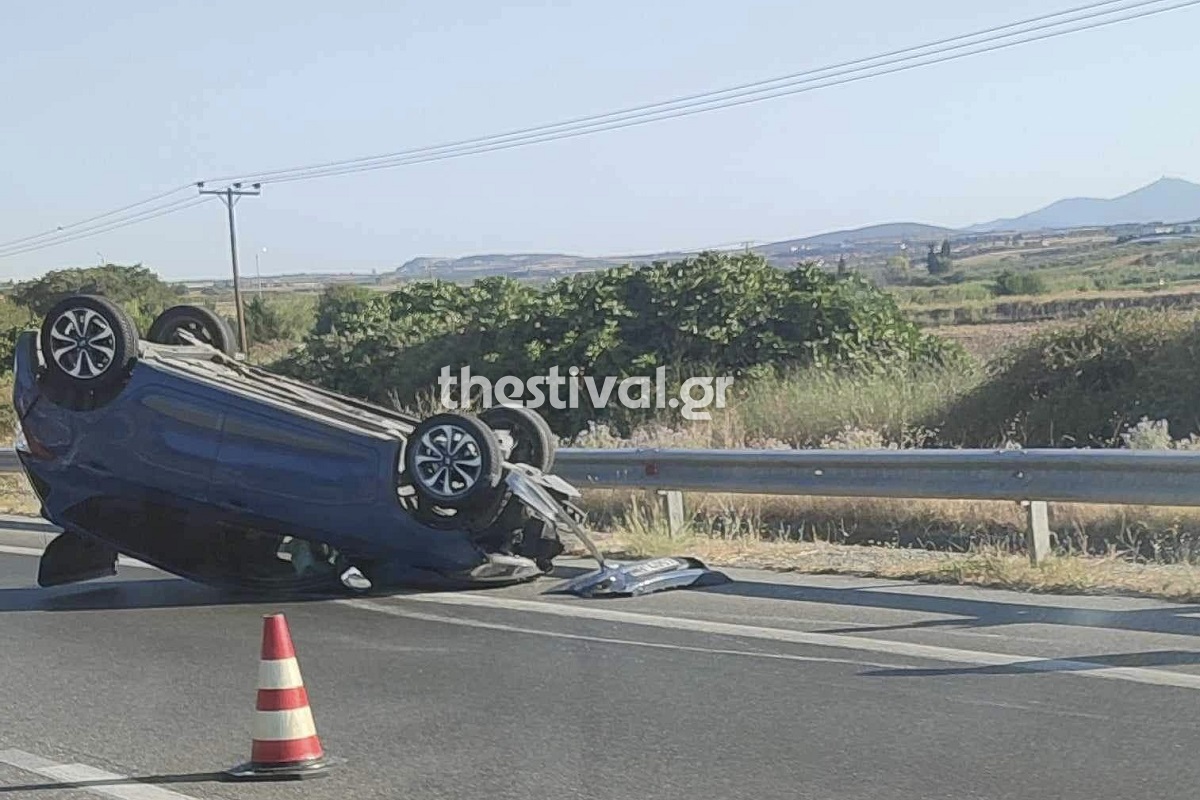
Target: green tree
{"points": [[938, 262], [137, 289], [711, 314], [841, 266], [1010, 283], [278, 319], [931, 261]]}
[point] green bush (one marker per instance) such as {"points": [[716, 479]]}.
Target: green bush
{"points": [[284, 318], [13, 315], [1012, 283], [138, 290], [1084, 385], [713, 314]]}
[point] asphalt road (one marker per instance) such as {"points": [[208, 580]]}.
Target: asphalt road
{"points": [[773, 686]]}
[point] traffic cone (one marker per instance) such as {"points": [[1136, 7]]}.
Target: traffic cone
{"points": [[285, 744]]}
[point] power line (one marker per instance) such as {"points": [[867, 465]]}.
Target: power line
{"points": [[170, 208], [699, 108], [63, 228], [685, 112], [699, 96], [1096, 15], [726, 98]]}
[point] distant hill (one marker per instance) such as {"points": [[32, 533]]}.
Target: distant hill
{"points": [[890, 232], [545, 265], [516, 264], [1165, 200]]}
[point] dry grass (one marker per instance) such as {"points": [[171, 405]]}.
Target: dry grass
{"points": [[1146, 534], [1064, 295], [808, 408], [987, 566], [16, 496], [746, 532], [989, 339]]}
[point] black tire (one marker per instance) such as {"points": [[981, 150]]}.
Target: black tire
{"points": [[534, 442], [205, 325], [473, 520], [454, 461], [88, 343]]}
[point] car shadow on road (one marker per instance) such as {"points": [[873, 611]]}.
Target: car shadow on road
{"points": [[961, 612], [1149, 659], [191, 777], [118, 594], [133, 594]]}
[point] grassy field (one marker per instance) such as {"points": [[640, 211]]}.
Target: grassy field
{"points": [[735, 532], [981, 566], [1059, 277]]}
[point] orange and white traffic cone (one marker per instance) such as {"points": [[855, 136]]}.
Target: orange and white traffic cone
{"points": [[285, 744]]}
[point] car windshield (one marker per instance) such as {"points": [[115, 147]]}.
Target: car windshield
{"points": [[599, 399]]}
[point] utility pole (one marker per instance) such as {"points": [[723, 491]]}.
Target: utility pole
{"points": [[257, 272], [230, 196]]}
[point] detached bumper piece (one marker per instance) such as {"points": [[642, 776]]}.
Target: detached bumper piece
{"points": [[644, 577]]}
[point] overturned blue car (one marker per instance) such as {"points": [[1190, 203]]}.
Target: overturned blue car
{"points": [[171, 450]]}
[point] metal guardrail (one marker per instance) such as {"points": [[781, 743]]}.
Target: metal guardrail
{"points": [[1032, 476], [1076, 476], [1029, 476]]}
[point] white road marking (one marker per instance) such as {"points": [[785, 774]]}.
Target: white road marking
{"points": [[15, 550], [396, 611], [108, 784], [26, 761], [843, 624], [36, 552], [1089, 669], [954, 655]]}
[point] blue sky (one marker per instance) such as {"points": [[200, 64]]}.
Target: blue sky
{"points": [[106, 103]]}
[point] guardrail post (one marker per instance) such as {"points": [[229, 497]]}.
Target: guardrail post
{"points": [[671, 505], [1037, 532]]}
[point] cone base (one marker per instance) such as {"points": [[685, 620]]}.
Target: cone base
{"points": [[315, 768]]}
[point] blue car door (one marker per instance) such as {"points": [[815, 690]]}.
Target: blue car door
{"points": [[282, 466], [173, 439]]}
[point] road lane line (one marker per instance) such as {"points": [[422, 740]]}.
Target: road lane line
{"points": [[36, 552], [89, 779], [396, 611], [26, 761], [893, 647], [16, 550]]}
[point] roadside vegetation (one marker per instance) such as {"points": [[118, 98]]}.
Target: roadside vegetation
{"points": [[821, 360], [1056, 276], [715, 315]]}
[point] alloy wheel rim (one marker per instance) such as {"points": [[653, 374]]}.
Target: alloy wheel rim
{"points": [[196, 328], [448, 461], [82, 343]]}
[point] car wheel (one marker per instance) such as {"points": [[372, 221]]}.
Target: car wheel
{"points": [[454, 461], [473, 520], [205, 325], [88, 343], [532, 437]]}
